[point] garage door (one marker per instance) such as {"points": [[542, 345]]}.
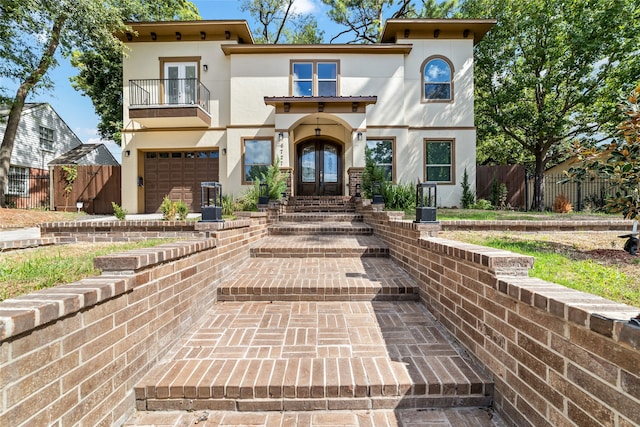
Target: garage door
{"points": [[177, 174]]}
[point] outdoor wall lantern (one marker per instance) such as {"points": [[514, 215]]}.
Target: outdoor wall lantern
{"points": [[359, 136], [205, 67], [280, 136], [317, 127], [211, 193], [376, 189], [263, 194], [426, 202], [127, 153]]}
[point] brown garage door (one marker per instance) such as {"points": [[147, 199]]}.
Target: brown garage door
{"points": [[177, 174]]}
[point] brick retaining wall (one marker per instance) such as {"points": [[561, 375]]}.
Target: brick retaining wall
{"points": [[71, 355], [559, 357]]}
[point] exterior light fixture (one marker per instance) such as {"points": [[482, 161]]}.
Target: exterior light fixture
{"points": [[205, 67], [224, 151], [280, 136], [127, 153], [129, 36], [359, 136], [317, 127], [227, 35], [426, 202], [465, 33]]}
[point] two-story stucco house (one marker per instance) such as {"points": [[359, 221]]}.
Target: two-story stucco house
{"points": [[202, 102]]}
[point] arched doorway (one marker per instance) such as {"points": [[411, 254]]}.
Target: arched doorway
{"points": [[319, 168]]}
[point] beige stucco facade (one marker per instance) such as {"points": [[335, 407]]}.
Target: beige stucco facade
{"points": [[380, 95]]}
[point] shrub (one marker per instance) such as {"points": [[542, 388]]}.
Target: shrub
{"points": [[468, 198], [119, 212], [182, 210], [482, 204], [168, 209], [401, 197], [561, 204], [275, 180]]}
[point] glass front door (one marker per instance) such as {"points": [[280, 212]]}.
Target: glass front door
{"points": [[181, 79], [319, 169]]}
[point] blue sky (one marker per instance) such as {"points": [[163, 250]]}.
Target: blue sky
{"points": [[77, 110]]}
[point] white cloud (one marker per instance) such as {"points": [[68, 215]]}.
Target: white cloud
{"points": [[304, 7]]}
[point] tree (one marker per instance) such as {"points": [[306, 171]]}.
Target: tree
{"points": [[619, 162], [278, 22], [100, 76], [364, 19], [32, 32], [549, 72]]}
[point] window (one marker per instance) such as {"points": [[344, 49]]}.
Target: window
{"points": [[314, 78], [439, 164], [258, 156], [437, 79], [381, 151], [18, 184], [46, 139]]}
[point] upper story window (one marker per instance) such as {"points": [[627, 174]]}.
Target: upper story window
{"points": [[314, 78], [46, 139], [437, 78]]}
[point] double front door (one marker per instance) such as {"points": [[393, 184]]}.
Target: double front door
{"points": [[319, 166]]}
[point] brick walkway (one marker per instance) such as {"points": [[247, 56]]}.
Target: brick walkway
{"points": [[301, 338]]}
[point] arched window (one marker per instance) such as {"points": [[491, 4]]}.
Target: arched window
{"points": [[437, 78]]}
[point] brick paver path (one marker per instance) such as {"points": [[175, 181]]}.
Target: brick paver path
{"points": [[302, 338]]}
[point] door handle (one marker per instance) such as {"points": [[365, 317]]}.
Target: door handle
{"points": [[321, 176]]}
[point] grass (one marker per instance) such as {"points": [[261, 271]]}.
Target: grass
{"points": [[497, 215], [26, 271], [583, 275]]}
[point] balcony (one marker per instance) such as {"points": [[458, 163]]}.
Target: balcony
{"points": [[169, 103]]}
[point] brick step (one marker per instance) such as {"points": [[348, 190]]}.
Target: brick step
{"points": [[319, 246], [320, 204], [257, 356], [318, 279], [314, 228], [321, 217]]}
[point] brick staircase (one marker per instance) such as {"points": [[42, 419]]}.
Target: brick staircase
{"points": [[319, 319]]}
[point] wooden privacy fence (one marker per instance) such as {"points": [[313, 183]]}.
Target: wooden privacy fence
{"points": [[95, 186], [511, 175]]}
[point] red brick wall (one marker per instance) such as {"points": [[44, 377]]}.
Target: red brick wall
{"points": [[72, 354], [558, 357]]}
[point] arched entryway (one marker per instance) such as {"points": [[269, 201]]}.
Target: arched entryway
{"points": [[319, 168]]}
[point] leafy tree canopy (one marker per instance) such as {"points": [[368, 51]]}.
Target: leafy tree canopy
{"points": [[278, 22], [550, 71]]}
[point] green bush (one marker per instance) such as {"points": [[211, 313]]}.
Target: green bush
{"points": [[182, 210], [482, 204], [119, 212], [399, 197], [276, 182], [468, 198], [168, 209]]}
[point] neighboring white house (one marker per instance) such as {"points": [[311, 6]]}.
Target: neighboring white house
{"points": [[202, 102]]}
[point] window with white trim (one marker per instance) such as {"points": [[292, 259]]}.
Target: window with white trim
{"points": [[46, 139]]}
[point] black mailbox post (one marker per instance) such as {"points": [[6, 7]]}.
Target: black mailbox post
{"points": [[211, 201], [426, 202]]}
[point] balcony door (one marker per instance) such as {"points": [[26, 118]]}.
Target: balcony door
{"points": [[180, 85], [319, 169]]}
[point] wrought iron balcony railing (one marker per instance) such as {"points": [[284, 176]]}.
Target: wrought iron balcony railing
{"points": [[168, 92]]}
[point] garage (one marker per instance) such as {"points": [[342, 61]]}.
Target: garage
{"points": [[177, 174]]}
